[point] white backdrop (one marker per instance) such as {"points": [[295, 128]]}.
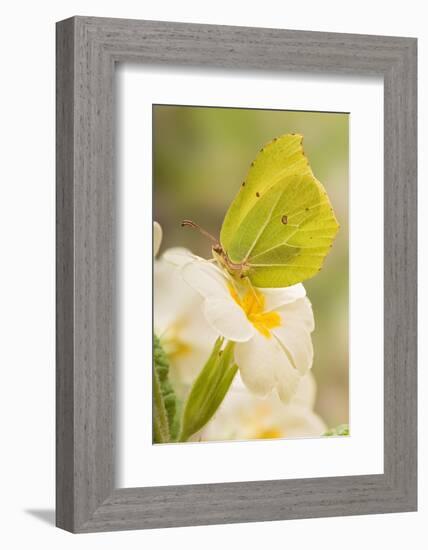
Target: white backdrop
{"points": [[27, 274], [362, 452]]}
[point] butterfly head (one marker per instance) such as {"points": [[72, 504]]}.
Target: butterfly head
{"points": [[237, 270], [219, 254]]}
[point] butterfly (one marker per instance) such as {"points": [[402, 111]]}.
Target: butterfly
{"points": [[281, 224]]}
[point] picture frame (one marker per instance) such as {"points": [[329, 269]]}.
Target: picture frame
{"points": [[87, 50]]}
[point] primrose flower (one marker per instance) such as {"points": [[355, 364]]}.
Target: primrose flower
{"points": [[244, 416], [271, 327], [185, 335]]}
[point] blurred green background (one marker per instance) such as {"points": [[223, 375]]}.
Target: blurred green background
{"points": [[200, 157]]}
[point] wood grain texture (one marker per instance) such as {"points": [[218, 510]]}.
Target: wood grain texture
{"points": [[87, 50], [64, 278]]}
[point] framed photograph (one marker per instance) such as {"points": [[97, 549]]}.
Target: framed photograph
{"points": [[236, 274]]}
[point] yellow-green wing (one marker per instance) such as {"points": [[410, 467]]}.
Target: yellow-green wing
{"points": [[286, 234], [280, 158]]}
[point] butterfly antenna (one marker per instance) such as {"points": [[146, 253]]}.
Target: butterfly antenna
{"points": [[193, 225]]}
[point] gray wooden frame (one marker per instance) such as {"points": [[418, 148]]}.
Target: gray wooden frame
{"points": [[87, 50]]}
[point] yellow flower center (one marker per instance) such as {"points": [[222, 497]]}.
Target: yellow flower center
{"points": [[176, 348], [173, 344], [253, 304], [262, 422], [269, 433]]}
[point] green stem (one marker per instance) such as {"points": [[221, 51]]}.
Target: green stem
{"points": [[160, 418]]}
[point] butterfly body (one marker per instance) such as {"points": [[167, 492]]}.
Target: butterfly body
{"points": [[238, 270]]}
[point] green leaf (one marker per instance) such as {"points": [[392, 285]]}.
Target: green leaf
{"points": [[343, 429], [208, 390], [165, 426], [281, 225]]}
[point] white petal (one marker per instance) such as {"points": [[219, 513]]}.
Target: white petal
{"points": [[298, 421], [207, 279], [228, 319], [294, 333], [306, 391], [174, 300], [220, 309], [242, 415], [196, 330], [187, 357], [287, 381], [178, 256], [297, 343], [264, 365], [298, 312], [179, 321], [157, 237], [277, 297]]}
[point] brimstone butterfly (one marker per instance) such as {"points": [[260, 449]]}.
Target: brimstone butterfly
{"points": [[281, 225]]}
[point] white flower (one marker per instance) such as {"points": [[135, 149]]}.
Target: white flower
{"points": [[271, 327], [243, 416], [185, 335], [157, 238]]}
